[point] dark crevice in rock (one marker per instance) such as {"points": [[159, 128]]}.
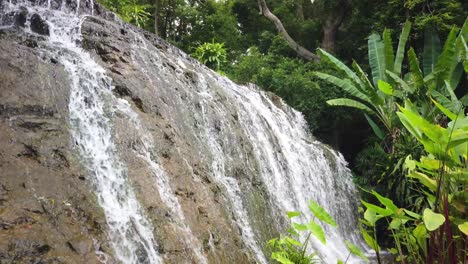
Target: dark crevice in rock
{"points": [[37, 110], [38, 25], [29, 152]]}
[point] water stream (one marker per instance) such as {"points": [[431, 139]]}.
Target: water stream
{"points": [[90, 108]]}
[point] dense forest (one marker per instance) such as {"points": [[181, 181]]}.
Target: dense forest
{"points": [[384, 82]]}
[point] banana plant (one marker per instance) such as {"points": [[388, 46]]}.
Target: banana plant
{"points": [[376, 97]]}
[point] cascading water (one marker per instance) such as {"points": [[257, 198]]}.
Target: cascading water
{"points": [[293, 166], [256, 149], [90, 107]]}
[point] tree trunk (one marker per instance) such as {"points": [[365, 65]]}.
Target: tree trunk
{"points": [[156, 17], [301, 51], [333, 23], [300, 10]]}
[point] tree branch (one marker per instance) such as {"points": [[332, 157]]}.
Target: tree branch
{"points": [[301, 51]]}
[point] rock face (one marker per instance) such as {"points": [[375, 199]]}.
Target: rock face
{"points": [[44, 199], [209, 161]]}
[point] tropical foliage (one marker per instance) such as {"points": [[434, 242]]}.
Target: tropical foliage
{"points": [[288, 249]]}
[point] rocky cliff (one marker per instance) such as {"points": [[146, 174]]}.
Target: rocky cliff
{"points": [[207, 166]]}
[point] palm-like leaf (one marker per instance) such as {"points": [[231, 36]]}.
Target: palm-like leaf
{"points": [[350, 103], [431, 52], [401, 47], [340, 65], [344, 84], [376, 57], [416, 73], [388, 50]]}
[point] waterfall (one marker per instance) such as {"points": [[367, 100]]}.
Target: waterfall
{"points": [[293, 166], [256, 150], [90, 108]]}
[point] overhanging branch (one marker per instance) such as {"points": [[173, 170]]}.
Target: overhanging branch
{"points": [[301, 51]]}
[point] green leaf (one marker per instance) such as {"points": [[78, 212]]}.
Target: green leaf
{"points": [[412, 214], [377, 131], [381, 211], [416, 73], [444, 110], [424, 179], [299, 227], [376, 57], [340, 65], [293, 214], [395, 223], [344, 84], [317, 231], [401, 47], [280, 258], [432, 220], [321, 213], [349, 103], [355, 250], [385, 201], [370, 240], [446, 63], [407, 88], [385, 87], [388, 50], [431, 52], [464, 228], [420, 234], [371, 217]]}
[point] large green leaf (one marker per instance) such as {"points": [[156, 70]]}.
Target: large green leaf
{"points": [[344, 84], [349, 103], [401, 47], [321, 213], [368, 89], [340, 65], [376, 57], [385, 87], [444, 110], [355, 250], [406, 87], [317, 231], [388, 50], [432, 220], [377, 131], [416, 73], [447, 61], [431, 52]]}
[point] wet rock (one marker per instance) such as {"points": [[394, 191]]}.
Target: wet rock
{"points": [[20, 17], [81, 245], [38, 25]]}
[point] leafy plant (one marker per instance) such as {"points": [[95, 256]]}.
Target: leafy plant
{"points": [[212, 54], [443, 172], [289, 250]]}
